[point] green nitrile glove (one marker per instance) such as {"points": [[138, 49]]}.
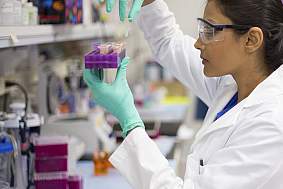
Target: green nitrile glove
{"points": [[116, 98], [136, 6]]}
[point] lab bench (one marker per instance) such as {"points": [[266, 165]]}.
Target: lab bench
{"points": [[114, 179]]}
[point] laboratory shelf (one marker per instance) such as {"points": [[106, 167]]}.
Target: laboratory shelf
{"points": [[14, 36]]}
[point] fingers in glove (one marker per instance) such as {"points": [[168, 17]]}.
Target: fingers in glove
{"points": [[136, 6], [122, 71], [122, 9], [92, 77], [109, 5]]}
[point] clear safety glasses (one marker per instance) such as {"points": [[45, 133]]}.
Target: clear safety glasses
{"points": [[209, 32]]}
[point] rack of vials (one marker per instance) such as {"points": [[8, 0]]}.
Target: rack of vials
{"points": [[106, 58], [51, 164]]}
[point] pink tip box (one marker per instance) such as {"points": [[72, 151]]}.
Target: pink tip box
{"points": [[51, 164], [75, 182], [50, 146], [51, 181]]}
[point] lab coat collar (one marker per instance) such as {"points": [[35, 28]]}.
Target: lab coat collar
{"points": [[267, 89], [227, 120]]}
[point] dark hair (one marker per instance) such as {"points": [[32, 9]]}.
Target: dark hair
{"points": [[265, 14]]}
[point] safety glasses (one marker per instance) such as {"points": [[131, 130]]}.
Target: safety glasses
{"points": [[209, 32]]}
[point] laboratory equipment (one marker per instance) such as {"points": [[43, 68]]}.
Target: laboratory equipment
{"points": [[29, 13], [47, 146], [51, 154], [101, 165], [23, 127], [51, 162], [58, 181], [106, 58], [8, 153]]}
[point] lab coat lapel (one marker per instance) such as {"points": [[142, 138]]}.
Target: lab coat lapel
{"points": [[269, 88], [226, 120]]}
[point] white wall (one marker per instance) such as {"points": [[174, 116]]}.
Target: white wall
{"points": [[186, 12]]}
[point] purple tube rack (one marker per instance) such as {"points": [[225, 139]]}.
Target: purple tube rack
{"points": [[100, 61]]}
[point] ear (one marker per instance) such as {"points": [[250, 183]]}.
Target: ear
{"points": [[253, 40]]}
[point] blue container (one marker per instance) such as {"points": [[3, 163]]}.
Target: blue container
{"points": [[6, 160]]}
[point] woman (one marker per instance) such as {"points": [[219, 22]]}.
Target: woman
{"points": [[235, 68]]}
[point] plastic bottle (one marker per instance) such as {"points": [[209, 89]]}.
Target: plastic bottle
{"points": [[25, 13], [35, 18], [33, 14], [17, 12]]}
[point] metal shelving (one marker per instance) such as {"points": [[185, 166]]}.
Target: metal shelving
{"points": [[14, 36]]}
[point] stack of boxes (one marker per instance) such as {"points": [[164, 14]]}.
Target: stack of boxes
{"points": [[51, 164]]}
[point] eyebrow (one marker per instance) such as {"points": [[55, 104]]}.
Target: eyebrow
{"points": [[210, 20]]}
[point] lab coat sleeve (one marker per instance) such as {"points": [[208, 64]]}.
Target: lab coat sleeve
{"points": [[174, 50], [252, 158], [139, 160]]}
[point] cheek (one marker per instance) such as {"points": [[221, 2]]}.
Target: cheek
{"points": [[218, 61], [223, 58]]}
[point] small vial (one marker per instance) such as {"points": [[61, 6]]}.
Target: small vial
{"points": [[100, 163], [109, 75], [106, 58], [105, 48], [117, 47]]}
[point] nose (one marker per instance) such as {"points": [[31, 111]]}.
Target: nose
{"points": [[199, 45]]}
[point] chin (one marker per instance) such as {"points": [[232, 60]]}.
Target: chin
{"points": [[208, 73]]}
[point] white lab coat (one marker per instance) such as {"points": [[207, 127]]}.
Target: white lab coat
{"points": [[241, 150]]}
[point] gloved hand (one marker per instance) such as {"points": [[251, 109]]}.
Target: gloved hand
{"points": [[116, 98], [136, 6]]}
